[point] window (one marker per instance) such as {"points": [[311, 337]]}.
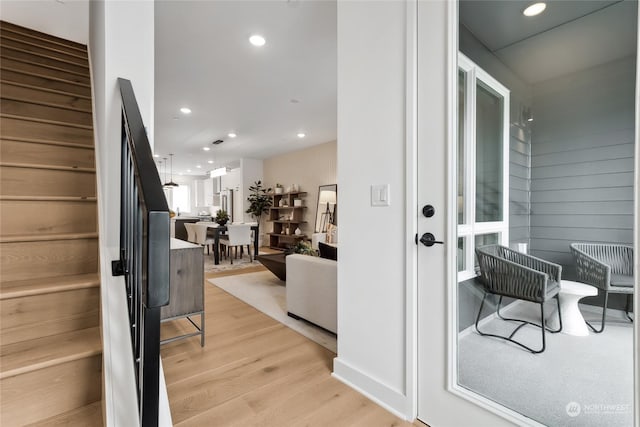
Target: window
{"points": [[482, 162], [180, 198]]}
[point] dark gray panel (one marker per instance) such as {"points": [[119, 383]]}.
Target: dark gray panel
{"points": [[581, 142], [583, 221], [586, 168], [575, 234], [584, 208], [581, 195], [610, 152], [588, 181]]}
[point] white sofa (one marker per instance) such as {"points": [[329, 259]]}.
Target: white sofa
{"points": [[312, 290]]}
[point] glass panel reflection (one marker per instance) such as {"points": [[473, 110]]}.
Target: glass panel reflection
{"points": [[489, 121]]}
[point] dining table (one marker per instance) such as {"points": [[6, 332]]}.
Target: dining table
{"points": [[219, 229]]}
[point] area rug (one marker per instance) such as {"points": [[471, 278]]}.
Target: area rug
{"points": [[225, 264], [267, 293], [576, 381]]}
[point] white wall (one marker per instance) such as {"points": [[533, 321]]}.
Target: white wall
{"points": [[121, 45], [309, 168], [68, 20], [372, 337]]}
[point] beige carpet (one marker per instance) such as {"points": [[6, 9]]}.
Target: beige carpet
{"points": [[225, 264], [267, 293]]}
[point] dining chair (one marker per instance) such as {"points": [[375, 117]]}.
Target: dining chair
{"points": [[239, 236], [191, 232], [201, 235]]}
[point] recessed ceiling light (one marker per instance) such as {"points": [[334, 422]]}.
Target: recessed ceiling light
{"points": [[210, 162], [232, 135], [188, 170], [206, 148], [185, 110], [257, 40], [301, 135], [198, 166], [534, 9]]}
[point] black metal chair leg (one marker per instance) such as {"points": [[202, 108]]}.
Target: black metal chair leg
{"points": [[604, 315], [523, 323], [628, 307]]}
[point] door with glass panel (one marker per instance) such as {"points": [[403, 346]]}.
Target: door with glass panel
{"points": [[479, 198]]}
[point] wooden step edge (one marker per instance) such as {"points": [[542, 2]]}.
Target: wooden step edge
{"points": [[46, 76], [92, 348], [48, 237], [41, 65], [48, 285], [42, 55], [87, 415], [26, 100], [79, 55], [44, 89], [29, 32], [48, 167], [47, 142], [91, 199], [50, 122]]}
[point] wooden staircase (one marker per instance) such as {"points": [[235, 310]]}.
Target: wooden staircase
{"points": [[50, 347]]}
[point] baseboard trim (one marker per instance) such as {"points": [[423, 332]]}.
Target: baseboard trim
{"points": [[390, 399]]}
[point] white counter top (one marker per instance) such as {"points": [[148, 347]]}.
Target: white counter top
{"points": [[181, 244]]}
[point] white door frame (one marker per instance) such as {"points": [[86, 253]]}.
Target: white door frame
{"points": [[414, 225]]}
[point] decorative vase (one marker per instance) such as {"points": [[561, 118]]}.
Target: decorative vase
{"points": [[278, 190], [298, 231], [222, 222], [297, 202]]}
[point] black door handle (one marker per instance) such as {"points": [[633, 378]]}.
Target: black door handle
{"points": [[429, 239]]}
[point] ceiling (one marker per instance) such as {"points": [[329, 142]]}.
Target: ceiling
{"points": [[567, 37], [266, 95]]}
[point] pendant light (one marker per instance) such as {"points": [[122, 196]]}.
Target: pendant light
{"points": [[170, 184]]}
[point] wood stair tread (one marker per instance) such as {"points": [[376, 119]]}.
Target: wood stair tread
{"points": [[46, 141], [53, 122], [52, 56], [52, 167], [29, 32], [22, 288], [54, 50], [28, 356], [46, 104], [44, 76], [47, 237], [43, 89], [50, 198], [87, 415]]}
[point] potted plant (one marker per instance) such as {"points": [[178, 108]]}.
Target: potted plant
{"points": [[222, 217], [259, 200], [279, 189], [302, 248]]}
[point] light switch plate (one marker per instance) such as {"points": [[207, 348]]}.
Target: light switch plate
{"points": [[380, 195]]}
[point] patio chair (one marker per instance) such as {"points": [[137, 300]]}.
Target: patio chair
{"points": [[508, 273], [608, 267]]}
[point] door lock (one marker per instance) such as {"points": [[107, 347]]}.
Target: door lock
{"points": [[428, 211], [429, 240]]}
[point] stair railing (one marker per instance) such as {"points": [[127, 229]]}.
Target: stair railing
{"points": [[144, 252]]}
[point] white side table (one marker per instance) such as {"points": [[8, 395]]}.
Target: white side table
{"points": [[572, 321]]}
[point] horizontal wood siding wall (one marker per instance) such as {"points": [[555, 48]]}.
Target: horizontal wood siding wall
{"points": [[582, 161]]}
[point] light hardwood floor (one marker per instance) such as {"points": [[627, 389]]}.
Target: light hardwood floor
{"points": [[254, 371]]}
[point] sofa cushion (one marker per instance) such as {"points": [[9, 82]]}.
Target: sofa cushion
{"points": [[328, 251]]}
